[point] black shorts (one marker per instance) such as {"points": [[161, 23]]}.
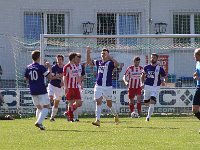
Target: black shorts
{"points": [[196, 100]]}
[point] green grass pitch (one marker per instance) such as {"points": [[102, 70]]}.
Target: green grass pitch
{"points": [[132, 133]]}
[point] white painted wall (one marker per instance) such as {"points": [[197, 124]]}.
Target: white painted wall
{"points": [[11, 16]]}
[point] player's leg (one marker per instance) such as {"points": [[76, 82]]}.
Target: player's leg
{"points": [[50, 90], [147, 95], [196, 104], [77, 104], [37, 104], [70, 99], [139, 103], [131, 96], [58, 96], [107, 93], [44, 102], [152, 103], [98, 98]]}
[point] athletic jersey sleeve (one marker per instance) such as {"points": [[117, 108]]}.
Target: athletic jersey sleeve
{"points": [[44, 71], [162, 72]]}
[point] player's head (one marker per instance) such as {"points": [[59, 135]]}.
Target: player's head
{"points": [[36, 55], [197, 54], [60, 59], [104, 53], [136, 61], [72, 57], [78, 58], [154, 58]]}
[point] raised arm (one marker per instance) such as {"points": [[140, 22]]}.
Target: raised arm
{"points": [[88, 58]]}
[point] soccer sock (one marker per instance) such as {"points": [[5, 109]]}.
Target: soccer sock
{"points": [[139, 107], [150, 111], [70, 112], [197, 115], [131, 106], [98, 112], [75, 113], [37, 113], [54, 112], [42, 115]]}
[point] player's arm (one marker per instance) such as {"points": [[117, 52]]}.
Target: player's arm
{"points": [[88, 57], [125, 77], [163, 77], [143, 77], [195, 76], [65, 72]]}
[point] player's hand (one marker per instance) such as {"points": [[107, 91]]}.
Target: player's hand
{"points": [[126, 83], [47, 64], [88, 49], [196, 76]]}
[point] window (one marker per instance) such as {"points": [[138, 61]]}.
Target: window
{"points": [[36, 23], [117, 24], [186, 23]]}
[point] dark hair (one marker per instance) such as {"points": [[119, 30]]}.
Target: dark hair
{"points": [[155, 54], [78, 55], [72, 56], [137, 58], [105, 50], [35, 55], [59, 55]]}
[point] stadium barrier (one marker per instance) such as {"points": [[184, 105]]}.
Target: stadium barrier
{"points": [[170, 100]]}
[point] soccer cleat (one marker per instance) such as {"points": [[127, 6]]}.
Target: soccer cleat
{"points": [[199, 131], [76, 120], [147, 119], [116, 118], [52, 119], [96, 123], [40, 126]]}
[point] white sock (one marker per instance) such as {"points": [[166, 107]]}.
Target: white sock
{"points": [[150, 111], [113, 110], [76, 113], [37, 113], [42, 115], [54, 112], [98, 112]]}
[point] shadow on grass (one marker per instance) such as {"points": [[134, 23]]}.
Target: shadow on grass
{"points": [[169, 128], [73, 131]]}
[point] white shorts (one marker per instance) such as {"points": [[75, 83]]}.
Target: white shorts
{"points": [[55, 91], [150, 91], [105, 92], [41, 99]]}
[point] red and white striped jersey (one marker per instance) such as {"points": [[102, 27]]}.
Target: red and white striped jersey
{"points": [[133, 76], [72, 75]]}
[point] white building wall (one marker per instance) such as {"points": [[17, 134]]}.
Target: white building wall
{"points": [[11, 17]]}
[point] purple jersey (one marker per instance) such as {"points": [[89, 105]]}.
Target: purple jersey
{"points": [[35, 74], [104, 72], [153, 75], [56, 70]]}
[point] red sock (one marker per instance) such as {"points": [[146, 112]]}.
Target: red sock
{"points": [[139, 107], [70, 113], [131, 106]]}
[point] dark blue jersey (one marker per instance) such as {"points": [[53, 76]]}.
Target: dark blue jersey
{"points": [[153, 75], [104, 72], [35, 73], [56, 70]]}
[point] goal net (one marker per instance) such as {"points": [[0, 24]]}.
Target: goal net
{"points": [[175, 55]]}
